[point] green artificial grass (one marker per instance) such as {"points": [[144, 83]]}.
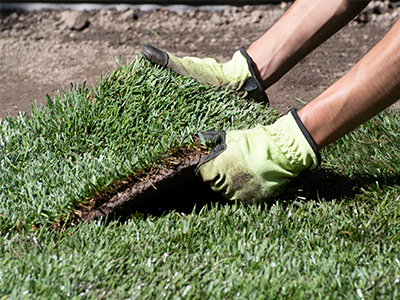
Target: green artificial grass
{"points": [[333, 234]]}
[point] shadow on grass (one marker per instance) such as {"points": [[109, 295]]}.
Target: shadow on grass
{"points": [[194, 195], [187, 197], [172, 186], [328, 185]]}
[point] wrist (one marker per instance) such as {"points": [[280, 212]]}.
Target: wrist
{"points": [[306, 135], [294, 141]]}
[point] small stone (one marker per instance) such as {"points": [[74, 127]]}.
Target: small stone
{"points": [[128, 15], [13, 16], [192, 13], [247, 8], [363, 18], [217, 19], [255, 17], [75, 20]]}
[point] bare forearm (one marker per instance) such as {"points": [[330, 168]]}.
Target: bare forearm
{"points": [[368, 88], [305, 26]]}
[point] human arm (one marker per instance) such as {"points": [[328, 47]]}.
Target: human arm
{"points": [[270, 156], [369, 87], [303, 27]]}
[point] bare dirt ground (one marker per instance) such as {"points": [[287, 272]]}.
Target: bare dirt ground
{"points": [[44, 51]]}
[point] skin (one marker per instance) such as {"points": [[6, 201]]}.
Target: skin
{"points": [[303, 27], [368, 88]]}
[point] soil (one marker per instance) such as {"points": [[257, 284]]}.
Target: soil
{"points": [[44, 51], [154, 191]]}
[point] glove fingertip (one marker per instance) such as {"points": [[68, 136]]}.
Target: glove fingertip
{"points": [[155, 55]]}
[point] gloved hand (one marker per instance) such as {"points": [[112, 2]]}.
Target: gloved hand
{"points": [[237, 74], [254, 165]]}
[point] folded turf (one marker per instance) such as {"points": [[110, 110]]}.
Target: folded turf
{"points": [[88, 138], [170, 185]]}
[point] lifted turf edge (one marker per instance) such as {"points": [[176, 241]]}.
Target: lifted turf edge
{"points": [[173, 181]]}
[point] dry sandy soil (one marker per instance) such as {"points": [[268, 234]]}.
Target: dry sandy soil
{"points": [[47, 50]]}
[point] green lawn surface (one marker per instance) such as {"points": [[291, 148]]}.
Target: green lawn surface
{"points": [[333, 234]]}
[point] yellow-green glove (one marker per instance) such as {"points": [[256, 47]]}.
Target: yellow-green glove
{"points": [[237, 74], [255, 165]]}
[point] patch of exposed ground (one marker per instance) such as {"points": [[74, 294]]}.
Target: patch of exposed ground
{"points": [[45, 51]]}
